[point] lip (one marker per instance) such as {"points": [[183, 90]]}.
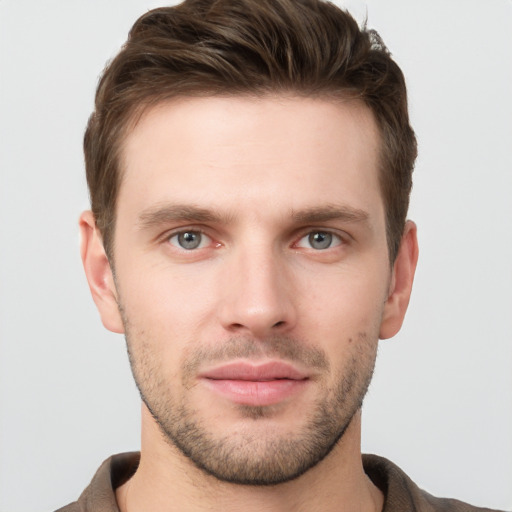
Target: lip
{"points": [[255, 384], [242, 370]]}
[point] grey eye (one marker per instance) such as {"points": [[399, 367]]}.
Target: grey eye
{"points": [[188, 240], [320, 240]]}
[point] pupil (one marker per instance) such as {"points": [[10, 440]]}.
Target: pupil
{"points": [[189, 240], [320, 240]]}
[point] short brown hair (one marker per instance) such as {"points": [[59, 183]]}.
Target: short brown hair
{"points": [[249, 47]]}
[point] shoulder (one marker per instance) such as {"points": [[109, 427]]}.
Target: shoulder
{"points": [[99, 495], [72, 507], [403, 495]]}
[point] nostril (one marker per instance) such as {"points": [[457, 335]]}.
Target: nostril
{"points": [[278, 324]]}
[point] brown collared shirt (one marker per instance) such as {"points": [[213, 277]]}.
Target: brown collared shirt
{"points": [[401, 493]]}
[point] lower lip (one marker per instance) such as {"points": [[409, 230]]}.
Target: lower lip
{"points": [[256, 393]]}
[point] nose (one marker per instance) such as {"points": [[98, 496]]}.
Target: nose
{"points": [[257, 294]]}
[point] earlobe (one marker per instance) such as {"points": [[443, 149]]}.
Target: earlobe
{"points": [[401, 283], [99, 273]]}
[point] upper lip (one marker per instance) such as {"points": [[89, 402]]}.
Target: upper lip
{"points": [[253, 371]]}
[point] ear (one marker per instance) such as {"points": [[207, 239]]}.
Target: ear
{"points": [[99, 273], [400, 287]]}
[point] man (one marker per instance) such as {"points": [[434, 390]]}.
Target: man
{"points": [[249, 165]]}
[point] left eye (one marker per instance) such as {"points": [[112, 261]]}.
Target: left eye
{"points": [[189, 240], [319, 240]]}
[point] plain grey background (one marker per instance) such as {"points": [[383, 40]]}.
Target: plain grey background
{"points": [[440, 405]]}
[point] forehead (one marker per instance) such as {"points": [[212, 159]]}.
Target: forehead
{"points": [[236, 152]]}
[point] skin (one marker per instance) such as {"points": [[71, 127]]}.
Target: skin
{"points": [[258, 178]]}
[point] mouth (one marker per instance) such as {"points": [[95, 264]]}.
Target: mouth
{"points": [[257, 385]]}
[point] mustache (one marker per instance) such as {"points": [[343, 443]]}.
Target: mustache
{"points": [[280, 347]]}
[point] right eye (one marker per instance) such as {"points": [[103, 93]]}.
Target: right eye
{"points": [[189, 240]]}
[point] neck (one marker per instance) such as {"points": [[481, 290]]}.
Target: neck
{"points": [[166, 481]]}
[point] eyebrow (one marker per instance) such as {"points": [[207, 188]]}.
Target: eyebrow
{"points": [[170, 213], [330, 212]]}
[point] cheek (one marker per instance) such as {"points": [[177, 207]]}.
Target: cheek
{"points": [[345, 319], [167, 293], [348, 299], [166, 311]]}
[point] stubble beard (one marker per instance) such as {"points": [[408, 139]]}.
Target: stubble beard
{"points": [[253, 456]]}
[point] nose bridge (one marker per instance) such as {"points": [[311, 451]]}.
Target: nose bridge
{"points": [[257, 298]]}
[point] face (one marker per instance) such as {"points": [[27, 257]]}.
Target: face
{"points": [[252, 277]]}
